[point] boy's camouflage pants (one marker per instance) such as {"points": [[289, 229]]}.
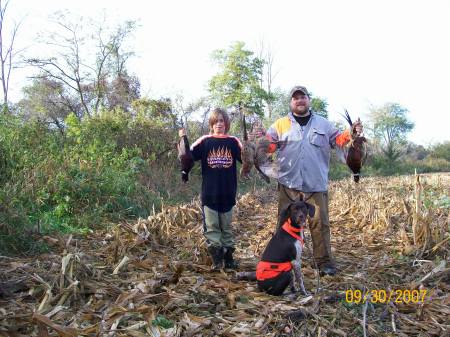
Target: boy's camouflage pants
{"points": [[217, 227]]}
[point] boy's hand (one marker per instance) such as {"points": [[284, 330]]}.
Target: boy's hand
{"points": [[181, 133]]}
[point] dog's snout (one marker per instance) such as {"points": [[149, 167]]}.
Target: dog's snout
{"points": [[299, 214], [301, 217]]}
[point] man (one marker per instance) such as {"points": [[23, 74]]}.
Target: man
{"points": [[303, 165]]}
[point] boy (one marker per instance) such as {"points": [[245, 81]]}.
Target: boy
{"points": [[218, 153]]}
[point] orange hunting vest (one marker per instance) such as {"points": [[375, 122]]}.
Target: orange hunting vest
{"points": [[267, 270]]}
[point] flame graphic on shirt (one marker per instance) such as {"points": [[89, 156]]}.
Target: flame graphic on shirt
{"points": [[220, 158]]}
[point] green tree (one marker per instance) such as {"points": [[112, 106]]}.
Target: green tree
{"points": [[159, 110], [441, 150], [238, 83], [390, 126], [416, 151], [280, 105], [47, 101], [319, 106]]}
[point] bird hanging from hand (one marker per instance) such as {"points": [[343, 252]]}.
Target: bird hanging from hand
{"points": [[185, 157], [251, 154], [357, 149], [258, 150]]}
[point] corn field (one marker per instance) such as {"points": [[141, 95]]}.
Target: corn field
{"points": [[390, 239]]}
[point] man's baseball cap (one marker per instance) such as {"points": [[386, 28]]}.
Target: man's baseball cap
{"points": [[298, 88]]}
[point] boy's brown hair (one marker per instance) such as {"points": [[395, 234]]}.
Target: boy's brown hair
{"points": [[215, 116]]}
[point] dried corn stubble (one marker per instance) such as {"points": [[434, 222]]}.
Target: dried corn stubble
{"points": [[166, 289]]}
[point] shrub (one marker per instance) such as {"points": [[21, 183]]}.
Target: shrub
{"points": [[103, 170]]}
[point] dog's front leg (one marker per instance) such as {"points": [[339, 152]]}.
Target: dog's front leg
{"points": [[297, 267], [292, 283], [246, 276]]}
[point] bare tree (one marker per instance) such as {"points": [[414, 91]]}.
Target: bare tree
{"points": [[66, 68], [269, 77], [7, 51], [111, 58], [266, 82], [85, 69], [188, 113]]}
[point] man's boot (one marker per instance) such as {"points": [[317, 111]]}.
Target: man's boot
{"points": [[217, 257], [230, 263], [327, 268]]}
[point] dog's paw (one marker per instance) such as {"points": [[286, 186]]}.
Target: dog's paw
{"points": [[292, 296]]}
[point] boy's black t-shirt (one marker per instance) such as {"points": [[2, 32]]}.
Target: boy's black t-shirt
{"points": [[218, 155]]}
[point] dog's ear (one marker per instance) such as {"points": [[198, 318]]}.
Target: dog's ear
{"points": [[284, 215], [311, 209]]}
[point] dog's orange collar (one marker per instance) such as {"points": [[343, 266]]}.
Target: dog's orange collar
{"points": [[293, 231]]}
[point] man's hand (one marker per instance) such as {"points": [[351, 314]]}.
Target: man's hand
{"points": [[357, 127], [181, 133], [257, 132]]}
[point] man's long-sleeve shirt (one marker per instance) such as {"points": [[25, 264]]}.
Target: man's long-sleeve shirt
{"points": [[303, 163]]}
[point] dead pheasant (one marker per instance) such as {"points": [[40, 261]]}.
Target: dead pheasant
{"points": [[256, 152], [357, 150], [252, 154], [185, 157]]}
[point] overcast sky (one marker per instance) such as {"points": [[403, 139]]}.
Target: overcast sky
{"points": [[352, 53]]}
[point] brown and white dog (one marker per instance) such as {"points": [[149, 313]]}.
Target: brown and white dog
{"points": [[282, 255]]}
